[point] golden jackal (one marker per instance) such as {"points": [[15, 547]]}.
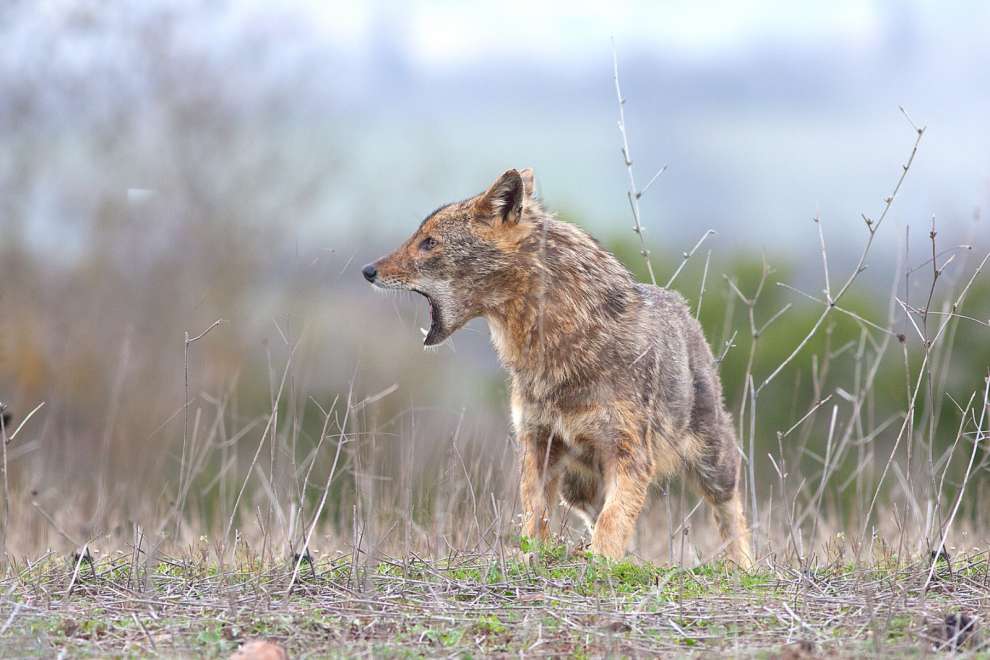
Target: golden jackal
{"points": [[613, 383]]}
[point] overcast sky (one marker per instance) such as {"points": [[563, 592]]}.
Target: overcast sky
{"points": [[765, 112], [451, 34]]}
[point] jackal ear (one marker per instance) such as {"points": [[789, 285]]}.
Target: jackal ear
{"points": [[505, 197], [529, 181]]}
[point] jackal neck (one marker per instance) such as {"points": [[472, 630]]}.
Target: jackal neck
{"points": [[567, 299]]}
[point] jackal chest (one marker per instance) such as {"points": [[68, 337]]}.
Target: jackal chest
{"points": [[568, 426]]}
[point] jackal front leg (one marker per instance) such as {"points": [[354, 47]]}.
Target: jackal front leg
{"points": [[627, 478], [541, 454]]}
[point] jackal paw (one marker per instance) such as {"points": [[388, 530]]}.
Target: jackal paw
{"points": [[580, 549]]}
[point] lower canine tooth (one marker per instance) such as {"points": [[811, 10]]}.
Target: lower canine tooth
{"points": [[424, 331]]}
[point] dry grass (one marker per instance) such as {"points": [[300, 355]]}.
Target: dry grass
{"points": [[488, 604]]}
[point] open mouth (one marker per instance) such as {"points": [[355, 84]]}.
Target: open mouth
{"points": [[435, 334]]}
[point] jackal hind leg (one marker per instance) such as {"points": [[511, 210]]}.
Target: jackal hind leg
{"points": [[733, 530], [538, 484], [715, 476], [580, 490]]}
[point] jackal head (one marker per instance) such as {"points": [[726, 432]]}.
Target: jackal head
{"points": [[462, 255]]}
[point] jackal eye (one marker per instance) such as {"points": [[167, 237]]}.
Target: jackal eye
{"points": [[427, 244]]}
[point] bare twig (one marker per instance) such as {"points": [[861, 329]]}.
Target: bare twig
{"points": [[633, 193]]}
